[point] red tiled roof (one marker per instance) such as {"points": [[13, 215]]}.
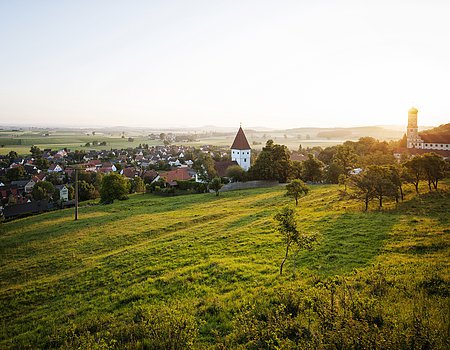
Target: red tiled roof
{"points": [[435, 138], [298, 157], [414, 151], [129, 172], [240, 141], [177, 174]]}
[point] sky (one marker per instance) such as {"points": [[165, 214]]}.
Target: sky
{"points": [[278, 64]]}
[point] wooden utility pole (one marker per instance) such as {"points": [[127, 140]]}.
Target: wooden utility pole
{"points": [[76, 193]]}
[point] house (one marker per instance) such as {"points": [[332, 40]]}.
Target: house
{"points": [[180, 174], [298, 157], [29, 186], [241, 150], [55, 168], [222, 167], [63, 192], [130, 172]]}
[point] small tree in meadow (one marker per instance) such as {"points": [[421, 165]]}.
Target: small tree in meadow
{"points": [[297, 188], [216, 185], [291, 235]]}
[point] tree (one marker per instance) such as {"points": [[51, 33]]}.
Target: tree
{"points": [[273, 163], [43, 190], [375, 182], [35, 152], [12, 155], [137, 185], [345, 157], [41, 163], [16, 173], [236, 173], [416, 170], [216, 185], [333, 172], [114, 186], [297, 188], [296, 170], [434, 169], [312, 169], [363, 186], [204, 165], [54, 178], [288, 229], [86, 191]]}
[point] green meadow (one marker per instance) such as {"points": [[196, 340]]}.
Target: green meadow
{"points": [[200, 271]]}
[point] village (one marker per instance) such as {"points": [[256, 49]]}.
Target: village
{"points": [[168, 169]]}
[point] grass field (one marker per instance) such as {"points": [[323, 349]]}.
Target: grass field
{"points": [[203, 259]]}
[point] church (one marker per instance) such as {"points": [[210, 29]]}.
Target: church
{"points": [[424, 140], [240, 150], [428, 141]]}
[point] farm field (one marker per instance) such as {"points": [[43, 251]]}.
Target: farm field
{"points": [[202, 271]]}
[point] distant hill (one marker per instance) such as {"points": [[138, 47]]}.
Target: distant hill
{"points": [[440, 134]]}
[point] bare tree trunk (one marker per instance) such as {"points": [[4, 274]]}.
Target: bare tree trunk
{"points": [[401, 192], [285, 257], [367, 201], [296, 200]]}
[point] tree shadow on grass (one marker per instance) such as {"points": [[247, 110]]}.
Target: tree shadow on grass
{"points": [[351, 241]]}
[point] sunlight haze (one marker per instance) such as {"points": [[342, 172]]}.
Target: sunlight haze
{"points": [[279, 64]]}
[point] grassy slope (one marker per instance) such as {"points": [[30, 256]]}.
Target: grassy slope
{"points": [[200, 249]]}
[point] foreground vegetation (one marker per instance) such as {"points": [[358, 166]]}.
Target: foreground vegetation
{"points": [[202, 271]]}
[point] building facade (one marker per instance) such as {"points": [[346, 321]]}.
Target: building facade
{"points": [[414, 139], [241, 151]]}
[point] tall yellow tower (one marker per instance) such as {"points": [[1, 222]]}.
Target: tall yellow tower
{"points": [[412, 132]]}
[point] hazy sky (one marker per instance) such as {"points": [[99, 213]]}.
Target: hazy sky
{"points": [[192, 63]]}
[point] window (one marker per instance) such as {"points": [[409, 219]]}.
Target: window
{"points": [[248, 152], [245, 160]]}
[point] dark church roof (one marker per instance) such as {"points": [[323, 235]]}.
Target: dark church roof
{"points": [[240, 141], [222, 166]]}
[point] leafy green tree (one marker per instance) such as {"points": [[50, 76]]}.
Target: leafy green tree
{"points": [[375, 182], [54, 178], [345, 157], [434, 169], [236, 173], [296, 188], [333, 172], [216, 185], [312, 169], [41, 163], [71, 192], [273, 163], [296, 170], [114, 186], [204, 165], [12, 155], [137, 185], [35, 152], [86, 191], [415, 168], [287, 226], [43, 190], [363, 185], [16, 173]]}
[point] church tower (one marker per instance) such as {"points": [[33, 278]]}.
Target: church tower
{"points": [[412, 132], [241, 151]]}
